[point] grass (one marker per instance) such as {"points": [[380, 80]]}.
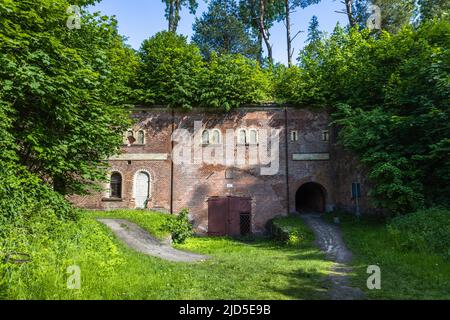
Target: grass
{"points": [[254, 269], [151, 221], [404, 274]]}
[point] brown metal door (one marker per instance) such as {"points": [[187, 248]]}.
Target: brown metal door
{"points": [[218, 216]]}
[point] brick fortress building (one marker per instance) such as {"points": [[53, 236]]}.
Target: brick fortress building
{"points": [[308, 173]]}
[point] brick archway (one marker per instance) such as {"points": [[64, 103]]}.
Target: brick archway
{"points": [[310, 197]]}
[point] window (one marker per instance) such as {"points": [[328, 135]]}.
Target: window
{"points": [[229, 174], [253, 137], [215, 137], [205, 137], [141, 137], [116, 185], [325, 135], [294, 135], [130, 137], [242, 138]]}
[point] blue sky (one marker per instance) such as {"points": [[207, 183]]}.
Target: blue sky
{"points": [[140, 19]]}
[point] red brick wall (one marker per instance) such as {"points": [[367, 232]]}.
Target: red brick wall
{"points": [[193, 183]]}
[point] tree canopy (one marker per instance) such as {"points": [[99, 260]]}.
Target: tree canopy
{"points": [[221, 30], [66, 90]]}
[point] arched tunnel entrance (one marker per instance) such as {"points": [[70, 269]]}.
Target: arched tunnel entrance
{"points": [[310, 197]]}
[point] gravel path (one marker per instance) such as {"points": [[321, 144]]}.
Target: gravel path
{"points": [[140, 240], [329, 239]]}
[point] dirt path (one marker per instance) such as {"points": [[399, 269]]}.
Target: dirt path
{"points": [[329, 239], [140, 240]]}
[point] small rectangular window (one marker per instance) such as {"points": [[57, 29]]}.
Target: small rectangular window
{"points": [[294, 135], [325, 135]]}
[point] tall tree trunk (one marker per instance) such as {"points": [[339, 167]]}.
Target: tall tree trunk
{"points": [[176, 15], [260, 48], [349, 9], [288, 33], [262, 29], [171, 11]]}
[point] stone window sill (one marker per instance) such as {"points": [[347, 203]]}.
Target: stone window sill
{"points": [[112, 199]]}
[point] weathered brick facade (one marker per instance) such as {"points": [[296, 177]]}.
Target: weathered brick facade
{"points": [[306, 154]]}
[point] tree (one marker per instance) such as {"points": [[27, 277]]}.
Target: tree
{"points": [[314, 33], [395, 13], [289, 7], [233, 80], [67, 90], [260, 15], [429, 9], [221, 30], [169, 71], [173, 9]]}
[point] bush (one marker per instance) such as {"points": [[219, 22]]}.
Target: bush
{"points": [[290, 231], [169, 71], [425, 230], [180, 227], [233, 80]]}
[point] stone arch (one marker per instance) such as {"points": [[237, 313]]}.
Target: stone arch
{"points": [[311, 197], [107, 185]]}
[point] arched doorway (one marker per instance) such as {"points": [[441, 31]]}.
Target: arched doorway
{"points": [[310, 197], [142, 189]]}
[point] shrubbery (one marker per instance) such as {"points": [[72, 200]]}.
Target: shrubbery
{"points": [[426, 230], [290, 231], [180, 227], [173, 73]]}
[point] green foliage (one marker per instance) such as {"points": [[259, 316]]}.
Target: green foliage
{"points": [[423, 231], [233, 80], [180, 227], [52, 245], [221, 30], [62, 97], [395, 13], [266, 270], [406, 273], [169, 71], [67, 89], [291, 231], [431, 9]]}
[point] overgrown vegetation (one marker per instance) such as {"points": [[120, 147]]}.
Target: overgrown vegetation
{"points": [[261, 269], [408, 269], [180, 227], [426, 231], [291, 231]]}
